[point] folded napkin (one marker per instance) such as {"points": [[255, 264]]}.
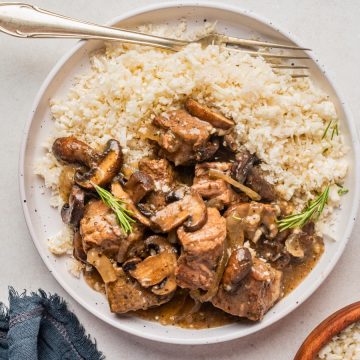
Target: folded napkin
{"points": [[39, 326]]}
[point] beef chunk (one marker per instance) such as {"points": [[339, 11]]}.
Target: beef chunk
{"points": [[217, 191], [163, 176], [201, 252], [184, 139], [100, 229], [126, 294], [255, 294]]}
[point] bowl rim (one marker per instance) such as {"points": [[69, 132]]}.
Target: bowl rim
{"points": [[211, 338]]}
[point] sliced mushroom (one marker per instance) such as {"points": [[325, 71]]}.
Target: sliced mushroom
{"points": [[238, 266], [209, 115], [118, 191], [244, 161], [105, 170], [73, 212], [102, 264], [139, 185], [189, 211], [156, 244], [167, 286], [78, 251], [130, 264], [154, 269], [73, 151]]}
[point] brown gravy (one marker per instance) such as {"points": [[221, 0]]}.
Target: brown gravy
{"points": [[295, 273], [182, 310]]}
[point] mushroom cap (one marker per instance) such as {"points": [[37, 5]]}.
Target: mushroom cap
{"points": [[73, 212], [209, 115], [71, 150], [105, 169], [190, 211]]}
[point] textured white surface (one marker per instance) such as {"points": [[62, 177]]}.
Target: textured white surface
{"points": [[331, 28]]}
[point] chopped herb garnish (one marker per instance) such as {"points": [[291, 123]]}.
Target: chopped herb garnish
{"points": [[123, 215], [342, 190], [311, 212]]}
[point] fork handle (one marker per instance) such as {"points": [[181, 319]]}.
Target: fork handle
{"points": [[28, 21]]}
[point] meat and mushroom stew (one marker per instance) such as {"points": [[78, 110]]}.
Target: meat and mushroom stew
{"points": [[196, 236]]}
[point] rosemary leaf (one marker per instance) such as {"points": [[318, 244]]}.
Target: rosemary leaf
{"points": [[312, 211], [123, 215], [326, 130]]}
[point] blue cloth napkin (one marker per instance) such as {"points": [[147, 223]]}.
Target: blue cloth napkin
{"points": [[39, 326]]}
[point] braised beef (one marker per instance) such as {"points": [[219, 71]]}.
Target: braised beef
{"points": [[184, 139], [201, 251], [256, 293]]}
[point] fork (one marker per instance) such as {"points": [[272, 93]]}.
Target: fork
{"points": [[28, 21]]}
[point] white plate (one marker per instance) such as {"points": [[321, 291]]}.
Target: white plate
{"points": [[43, 221]]}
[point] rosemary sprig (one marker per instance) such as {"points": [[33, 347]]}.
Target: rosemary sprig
{"points": [[334, 130], [312, 211], [123, 215]]}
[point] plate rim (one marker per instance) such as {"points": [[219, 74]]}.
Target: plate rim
{"points": [[211, 338]]}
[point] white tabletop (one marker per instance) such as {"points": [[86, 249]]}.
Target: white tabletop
{"points": [[331, 28]]}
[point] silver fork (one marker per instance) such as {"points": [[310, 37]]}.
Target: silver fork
{"points": [[28, 21]]}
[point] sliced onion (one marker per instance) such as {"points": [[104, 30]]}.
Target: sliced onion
{"points": [[249, 192]]}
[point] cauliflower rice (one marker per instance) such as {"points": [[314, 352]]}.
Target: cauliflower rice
{"points": [[279, 118], [344, 346]]}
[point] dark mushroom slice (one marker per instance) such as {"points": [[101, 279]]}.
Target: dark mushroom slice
{"points": [[167, 286], [256, 181], [156, 244], [139, 185], [105, 170], [73, 151], [73, 212], [189, 211], [130, 264], [126, 243], [206, 151], [237, 268], [78, 251], [244, 162], [118, 191], [209, 115]]}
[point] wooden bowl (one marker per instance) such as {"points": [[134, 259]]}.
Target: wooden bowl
{"points": [[325, 331]]}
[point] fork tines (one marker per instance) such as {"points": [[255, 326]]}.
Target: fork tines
{"points": [[228, 40], [268, 54]]}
